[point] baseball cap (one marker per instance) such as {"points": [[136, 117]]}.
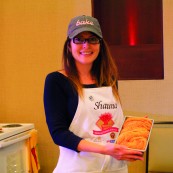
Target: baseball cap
{"points": [[83, 23]]}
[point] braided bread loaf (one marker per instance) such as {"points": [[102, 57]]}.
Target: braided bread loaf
{"points": [[135, 132]]}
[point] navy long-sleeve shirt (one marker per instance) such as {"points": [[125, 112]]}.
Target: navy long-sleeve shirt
{"points": [[60, 103]]}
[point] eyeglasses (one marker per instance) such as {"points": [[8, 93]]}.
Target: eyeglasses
{"points": [[92, 40]]}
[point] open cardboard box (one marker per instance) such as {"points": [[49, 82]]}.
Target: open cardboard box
{"points": [[152, 122]]}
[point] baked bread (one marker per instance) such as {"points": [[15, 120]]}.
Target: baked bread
{"points": [[135, 132]]}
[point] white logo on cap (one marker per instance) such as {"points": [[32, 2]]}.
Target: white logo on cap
{"points": [[84, 22]]}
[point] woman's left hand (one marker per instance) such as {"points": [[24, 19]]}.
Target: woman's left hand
{"points": [[121, 152]]}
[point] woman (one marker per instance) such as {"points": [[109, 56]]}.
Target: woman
{"points": [[82, 105]]}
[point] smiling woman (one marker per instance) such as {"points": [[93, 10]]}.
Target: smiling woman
{"points": [[84, 52], [83, 95]]}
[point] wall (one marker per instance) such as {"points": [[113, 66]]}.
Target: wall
{"points": [[32, 34], [153, 96]]}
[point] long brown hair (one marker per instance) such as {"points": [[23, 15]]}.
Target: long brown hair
{"points": [[104, 69]]}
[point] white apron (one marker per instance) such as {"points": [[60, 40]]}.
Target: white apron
{"points": [[98, 118]]}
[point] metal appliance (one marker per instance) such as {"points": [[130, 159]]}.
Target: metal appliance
{"points": [[14, 156]]}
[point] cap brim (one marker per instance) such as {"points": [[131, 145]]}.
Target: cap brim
{"points": [[83, 29]]}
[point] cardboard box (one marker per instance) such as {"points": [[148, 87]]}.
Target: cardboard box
{"points": [[136, 132]]}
